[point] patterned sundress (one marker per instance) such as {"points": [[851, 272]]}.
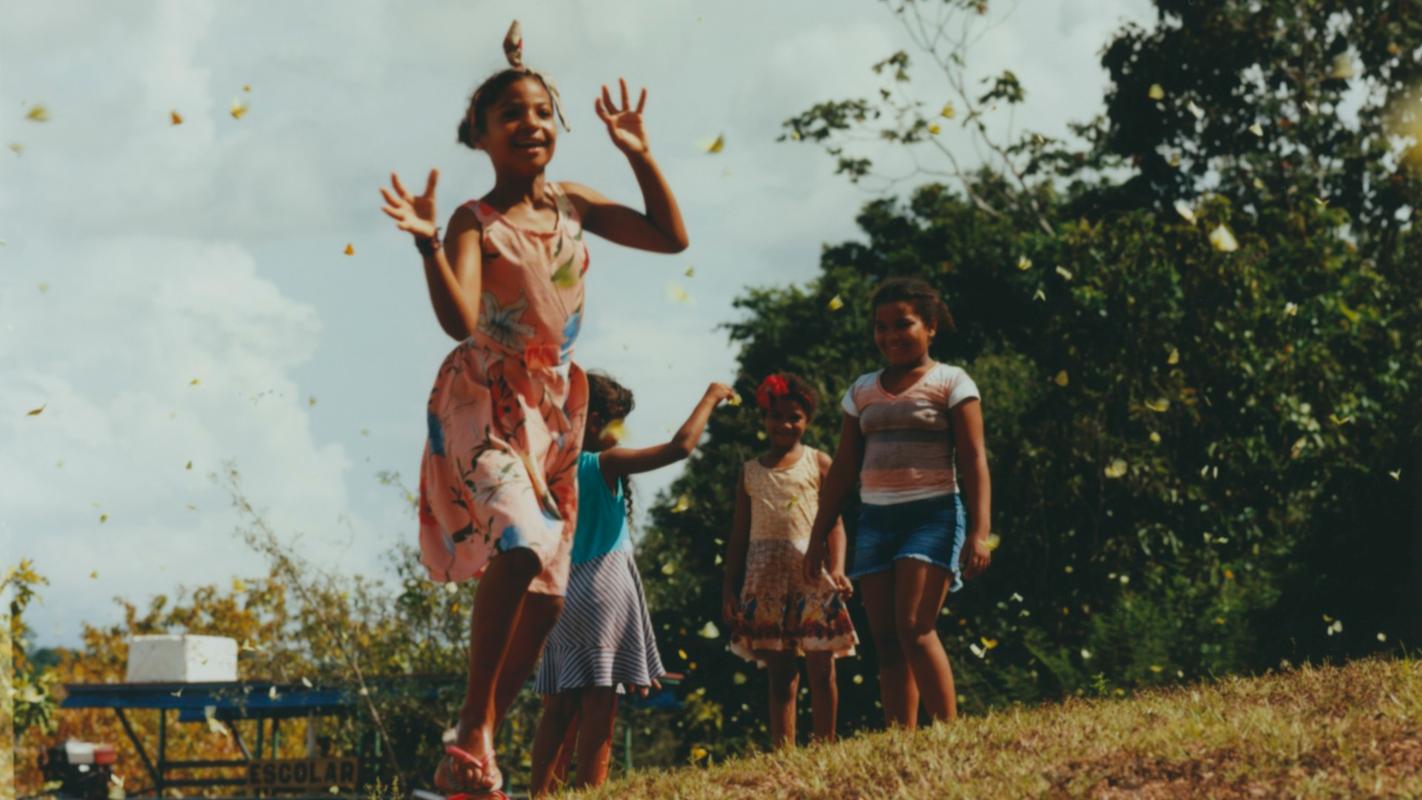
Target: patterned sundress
{"points": [[778, 611], [604, 636], [507, 409]]}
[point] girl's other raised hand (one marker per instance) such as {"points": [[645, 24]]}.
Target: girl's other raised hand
{"points": [[414, 215], [720, 392], [624, 124]]}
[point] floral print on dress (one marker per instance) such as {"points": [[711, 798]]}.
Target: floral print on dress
{"points": [[507, 409], [501, 323]]}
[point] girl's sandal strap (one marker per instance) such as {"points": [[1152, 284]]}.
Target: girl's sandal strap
{"points": [[493, 779]]}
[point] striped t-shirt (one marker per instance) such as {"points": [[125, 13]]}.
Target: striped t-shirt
{"points": [[908, 437]]}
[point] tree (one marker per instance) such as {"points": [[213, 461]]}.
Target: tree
{"points": [[1193, 332]]}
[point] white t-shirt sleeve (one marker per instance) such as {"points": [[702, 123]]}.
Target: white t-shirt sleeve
{"points": [[960, 387], [847, 402]]}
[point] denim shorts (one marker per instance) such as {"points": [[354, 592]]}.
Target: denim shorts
{"points": [[931, 530]]}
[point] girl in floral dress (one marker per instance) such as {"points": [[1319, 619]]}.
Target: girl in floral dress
{"points": [[776, 615], [498, 481]]}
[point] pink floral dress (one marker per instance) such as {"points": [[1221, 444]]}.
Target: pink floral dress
{"points": [[507, 410]]}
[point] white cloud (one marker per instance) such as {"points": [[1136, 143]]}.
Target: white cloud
{"points": [[112, 351]]}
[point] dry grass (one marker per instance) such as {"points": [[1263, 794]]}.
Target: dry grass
{"points": [[1352, 731]]}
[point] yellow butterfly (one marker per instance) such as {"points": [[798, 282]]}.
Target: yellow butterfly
{"points": [[677, 294], [175, 118], [1222, 239], [717, 144], [616, 430]]}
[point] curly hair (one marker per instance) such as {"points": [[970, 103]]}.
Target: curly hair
{"points": [[787, 384], [611, 400], [925, 299]]}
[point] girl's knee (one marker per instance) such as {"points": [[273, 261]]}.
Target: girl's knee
{"points": [[912, 642], [913, 631]]}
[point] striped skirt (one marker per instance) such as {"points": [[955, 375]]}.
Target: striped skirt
{"points": [[604, 636]]}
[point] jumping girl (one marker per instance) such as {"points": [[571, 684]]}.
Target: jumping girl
{"points": [[498, 481]]}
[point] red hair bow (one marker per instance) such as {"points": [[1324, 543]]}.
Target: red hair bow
{"points": [[771, 389]]}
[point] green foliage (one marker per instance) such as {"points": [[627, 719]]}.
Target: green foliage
{"points": [[1198, 455], [31, 685]]}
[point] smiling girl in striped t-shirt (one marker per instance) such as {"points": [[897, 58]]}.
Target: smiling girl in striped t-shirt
{"points": [[912, 433]]}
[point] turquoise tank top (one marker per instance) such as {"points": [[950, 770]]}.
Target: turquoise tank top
{"points": [[602, 514]]}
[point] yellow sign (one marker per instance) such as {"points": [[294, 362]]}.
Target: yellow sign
{"points": [[302, 773]]}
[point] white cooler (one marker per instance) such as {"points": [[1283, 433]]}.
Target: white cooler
{"points": [[181, 658]]}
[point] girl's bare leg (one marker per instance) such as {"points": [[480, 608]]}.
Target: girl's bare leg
{"points": [[497, 603], [824, 694], [784, 674], [897, 690], [598, 716], [535, 621], [560, 715], [919, 591]]}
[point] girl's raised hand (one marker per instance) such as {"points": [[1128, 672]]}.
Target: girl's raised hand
{"points": [[415, 215], [624, 124], [720, 392]]}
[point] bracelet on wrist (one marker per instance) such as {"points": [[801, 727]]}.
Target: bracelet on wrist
{"points": [[427, 245]]}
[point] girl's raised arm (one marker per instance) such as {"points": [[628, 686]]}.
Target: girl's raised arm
{"points": [[660, 229], [454, 289], [736, 553], [834, 490], [618, 461]]}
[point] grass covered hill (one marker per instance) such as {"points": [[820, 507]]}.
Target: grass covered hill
{"points": [[1349, 731]]}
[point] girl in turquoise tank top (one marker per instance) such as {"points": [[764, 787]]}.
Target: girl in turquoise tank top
{"points": [[603, 643]]}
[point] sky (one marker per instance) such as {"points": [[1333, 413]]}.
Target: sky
{"points": [[178, 297]]}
